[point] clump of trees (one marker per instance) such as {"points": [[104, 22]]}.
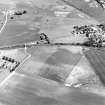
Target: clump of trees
{"points": [[43, 39], [17, 12], [101, 3], [94, 33], [20, 12]]}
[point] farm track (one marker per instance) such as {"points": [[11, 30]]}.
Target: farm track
{"points": [[32, 45], [97, 60]]}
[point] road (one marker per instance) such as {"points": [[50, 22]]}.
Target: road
{"points": [[5, 22], [97, 60]]}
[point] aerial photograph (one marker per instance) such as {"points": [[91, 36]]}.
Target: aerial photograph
{"points": [[52, 52]]}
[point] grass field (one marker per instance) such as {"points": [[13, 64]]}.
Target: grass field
{"points": [[41, 17], [52, 62], [17, 55], [15, 34], [26, 89], [44, 70]]}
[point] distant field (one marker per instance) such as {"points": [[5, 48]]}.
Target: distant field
{"points": [[57, 27], [17, 30], [26, 28], [92, 8], [15, 33]]}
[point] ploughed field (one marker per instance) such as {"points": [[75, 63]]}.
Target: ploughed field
{"points": [[97, 60]]}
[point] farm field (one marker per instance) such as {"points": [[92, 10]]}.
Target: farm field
{"points": [[17, 55], [50, 74], [52, 62], [24, 89], [91, 8], [84, 76], [55, 19], [97, 60]]}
